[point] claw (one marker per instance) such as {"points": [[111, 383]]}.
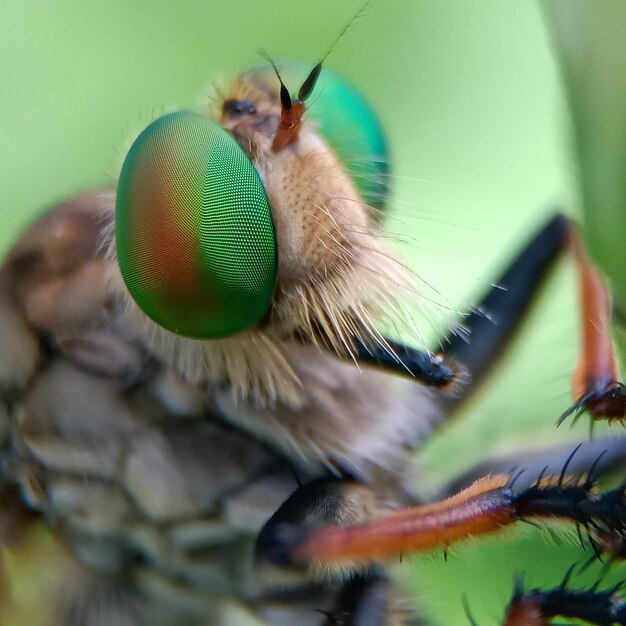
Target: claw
{"points": [[607, 403]]}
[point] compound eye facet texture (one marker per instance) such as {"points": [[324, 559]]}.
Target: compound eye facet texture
{"points": [[194, 232]]}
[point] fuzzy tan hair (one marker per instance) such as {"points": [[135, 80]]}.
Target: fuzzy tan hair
{"points": [[336, 283]]}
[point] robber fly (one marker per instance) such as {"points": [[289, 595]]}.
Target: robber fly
{"points": [[200, 399]]}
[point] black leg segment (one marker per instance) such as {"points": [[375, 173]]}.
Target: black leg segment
{"points": [[487, 331]]}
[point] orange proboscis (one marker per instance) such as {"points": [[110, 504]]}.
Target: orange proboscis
{"points": [[480, 509], [525, 612]]}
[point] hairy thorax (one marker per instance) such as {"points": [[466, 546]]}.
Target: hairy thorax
{"points": [[158, 457]]}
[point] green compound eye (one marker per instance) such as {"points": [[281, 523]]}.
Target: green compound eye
{"points": [[347, 122], [194, 231]]}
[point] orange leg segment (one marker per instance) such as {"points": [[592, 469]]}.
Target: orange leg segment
{"points": [[596, 387], [487, 506], [482, 508]]}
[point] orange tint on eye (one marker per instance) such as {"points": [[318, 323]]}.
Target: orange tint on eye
{"points": [[194, 231]]}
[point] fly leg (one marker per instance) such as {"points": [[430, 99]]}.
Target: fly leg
{"points": [[607, 455], [489, 329], [486, 332], [368, 598], [325, 528], [596, 387], [314, 505], [537, 607], [328, 528]]}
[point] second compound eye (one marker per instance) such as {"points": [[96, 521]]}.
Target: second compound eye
{"points": [[347, 122], [236, 108], [195, 238]]}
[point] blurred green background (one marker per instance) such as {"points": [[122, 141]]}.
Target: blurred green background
{"points": [[470, 97]]}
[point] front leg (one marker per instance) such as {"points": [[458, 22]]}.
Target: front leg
{"points": [[366, 597], [313, 506], [324, 529], [486, 332]]}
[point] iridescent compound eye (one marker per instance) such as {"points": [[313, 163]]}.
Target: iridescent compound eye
{"points": [[194, 231], [346, 121]]}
